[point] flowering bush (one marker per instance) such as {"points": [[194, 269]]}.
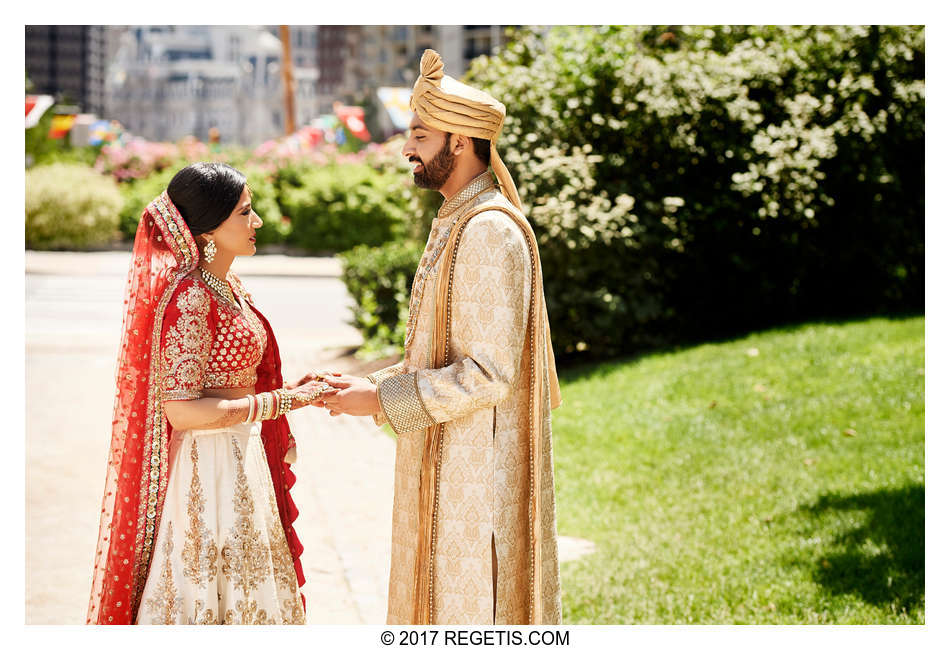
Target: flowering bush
{"points": [[135, 158], [319, 199], [699, 181]]}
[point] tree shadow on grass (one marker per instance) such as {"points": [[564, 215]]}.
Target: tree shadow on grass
{"points": [[880, 561]]}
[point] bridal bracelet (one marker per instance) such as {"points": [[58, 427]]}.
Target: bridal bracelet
{"points": [[275, 403]]}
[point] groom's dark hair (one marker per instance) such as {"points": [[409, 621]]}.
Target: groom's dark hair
{"points": [[481, 146], [482, 150]]}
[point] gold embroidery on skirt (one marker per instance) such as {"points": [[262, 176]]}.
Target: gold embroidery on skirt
{"points": [[199, 554], [206, 617], [167, 603], [292, 611], [284, 573], [250, 615], [245, 555]]}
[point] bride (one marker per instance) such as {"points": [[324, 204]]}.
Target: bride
{"points": [[196, 519]]}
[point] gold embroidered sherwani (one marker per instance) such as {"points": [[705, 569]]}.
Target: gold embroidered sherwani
{"points": [[478, 472]]}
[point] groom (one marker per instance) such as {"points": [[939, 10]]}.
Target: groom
{"points": [[474, 538]]}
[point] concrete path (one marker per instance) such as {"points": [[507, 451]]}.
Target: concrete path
{"points": [[344, 465]]}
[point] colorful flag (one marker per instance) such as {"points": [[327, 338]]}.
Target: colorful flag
{"points": [[61, 126], [353, 118], [99, 132], [396, 103], [36, 105]]}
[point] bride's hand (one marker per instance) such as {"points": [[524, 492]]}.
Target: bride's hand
{"points": [[310, 392]]}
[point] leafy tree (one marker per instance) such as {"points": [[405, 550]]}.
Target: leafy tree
{"points": [[694, 182]]}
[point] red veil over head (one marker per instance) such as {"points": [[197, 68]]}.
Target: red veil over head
{"points": [[137, 470]]}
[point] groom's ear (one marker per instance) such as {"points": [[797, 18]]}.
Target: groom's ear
{"points": [[462, 143]]}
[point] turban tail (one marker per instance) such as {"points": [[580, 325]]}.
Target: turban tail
{"points": [[446, 104]]}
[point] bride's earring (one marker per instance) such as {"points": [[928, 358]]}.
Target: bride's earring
{"points": [[210, 251]]}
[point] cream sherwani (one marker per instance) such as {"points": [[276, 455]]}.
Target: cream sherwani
{"points": [[482, 396]]}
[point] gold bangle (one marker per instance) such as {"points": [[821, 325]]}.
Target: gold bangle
{"points": [[285, 400], [265, 406], [259, 410], [270, 405]]}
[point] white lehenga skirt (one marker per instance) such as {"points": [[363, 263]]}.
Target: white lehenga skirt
{"points": [[221, 555]]}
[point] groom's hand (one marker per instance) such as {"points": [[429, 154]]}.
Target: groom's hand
{"points": [[354, 396], [310, 376]]}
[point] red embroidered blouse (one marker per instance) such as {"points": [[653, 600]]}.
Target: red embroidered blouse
{"points": [[208, 342]]}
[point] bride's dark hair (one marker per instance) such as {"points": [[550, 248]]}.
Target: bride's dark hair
{"points": [[205, 194]]}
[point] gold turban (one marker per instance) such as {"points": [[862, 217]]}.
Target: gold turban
{"points": [[446, 104]]}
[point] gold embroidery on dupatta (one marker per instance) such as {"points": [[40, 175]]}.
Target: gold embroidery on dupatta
{"points": [[245, 555], [199, 555], [167, 603], [154, 456], [154, 474]]}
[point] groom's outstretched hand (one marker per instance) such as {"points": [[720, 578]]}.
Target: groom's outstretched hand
{"points": [[354, 396], [310, 376]]}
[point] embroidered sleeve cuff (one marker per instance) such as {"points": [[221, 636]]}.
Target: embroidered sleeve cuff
{"points": [[381, 375], [379, 419], [402, 404]]}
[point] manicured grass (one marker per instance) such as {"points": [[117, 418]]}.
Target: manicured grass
{"points": [[775, 479]]}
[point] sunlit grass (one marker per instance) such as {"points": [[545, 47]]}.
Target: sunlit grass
{"points": [[774, 479]]}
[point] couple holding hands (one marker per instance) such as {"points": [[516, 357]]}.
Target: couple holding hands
{"points": [[197, 518]]}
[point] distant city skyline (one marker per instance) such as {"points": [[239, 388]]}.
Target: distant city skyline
{"points": [[166, 82]]}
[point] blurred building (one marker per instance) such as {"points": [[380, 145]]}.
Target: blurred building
{"points": [[168, 82], [165, 82], [353, 60], [69, 62]]}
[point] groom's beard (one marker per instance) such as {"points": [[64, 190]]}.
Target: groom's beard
{"points": [[436, 172]]}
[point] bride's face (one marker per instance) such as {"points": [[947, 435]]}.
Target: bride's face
{"points": [[237, 235]]}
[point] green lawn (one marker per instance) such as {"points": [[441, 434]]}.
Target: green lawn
{"points": [[775, 479]]}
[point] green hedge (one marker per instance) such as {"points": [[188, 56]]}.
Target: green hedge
{"points": [[338, 206], [265, 193], [697, 182], [380, 281], [137, 194], [70, 206]]}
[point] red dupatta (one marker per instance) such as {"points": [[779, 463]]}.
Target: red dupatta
{"points": [[164, 253]]}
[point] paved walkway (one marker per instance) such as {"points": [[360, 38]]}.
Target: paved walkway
{"points": [[344, 465]]}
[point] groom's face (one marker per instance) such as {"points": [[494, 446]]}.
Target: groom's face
{"points": [[430, 153]]}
